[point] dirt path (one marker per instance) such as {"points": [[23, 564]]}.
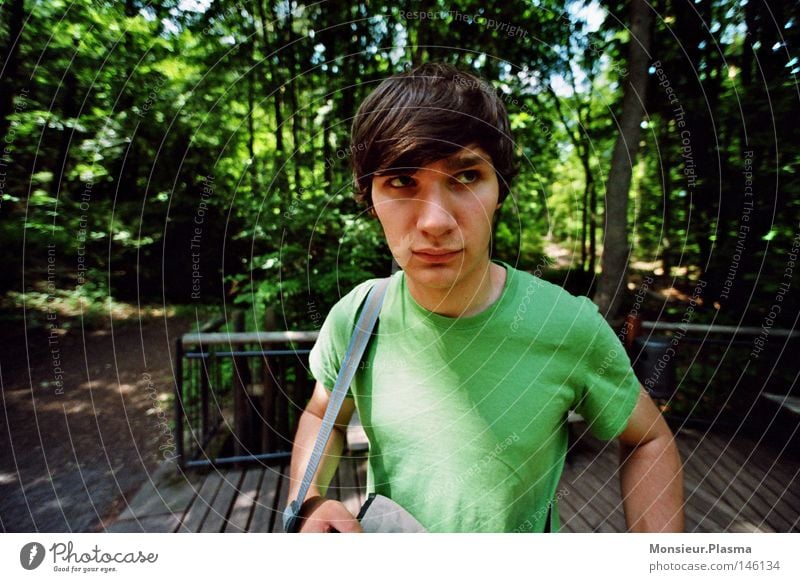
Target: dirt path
{"points": [[87, 425]]}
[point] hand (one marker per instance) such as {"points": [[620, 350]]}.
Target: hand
{"points": [[321, 515]]}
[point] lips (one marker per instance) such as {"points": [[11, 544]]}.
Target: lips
{"points": [[436, 255]]}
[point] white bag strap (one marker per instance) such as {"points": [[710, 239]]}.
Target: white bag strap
{"points": [[355, 351]]}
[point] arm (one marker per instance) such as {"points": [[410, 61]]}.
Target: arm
{"points": [[320, 514], [651, 474]]}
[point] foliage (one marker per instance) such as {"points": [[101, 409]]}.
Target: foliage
{"points": [[198, 153]]}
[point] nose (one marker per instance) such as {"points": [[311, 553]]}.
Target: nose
{"points": [[434, 215]]}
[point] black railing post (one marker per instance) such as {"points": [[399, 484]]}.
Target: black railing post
{"points": [[179, 402], [204, 390], [233, 371], [267, 405], [242, 421]]}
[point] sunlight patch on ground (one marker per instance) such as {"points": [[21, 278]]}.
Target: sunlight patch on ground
{"points": [[657, 268], [561, 257], [67, 304], [97, 385], [58, 406], [7, 478], [673, 293]]}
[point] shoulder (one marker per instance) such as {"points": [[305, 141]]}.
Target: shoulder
{"points": [[552, 304], [326, 356], [345, 310], [353, 298]]}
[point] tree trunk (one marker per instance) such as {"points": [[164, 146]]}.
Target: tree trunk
{"points": [[592, 231], [279, 180], [421, 40], [584, 225], [10, 62], [69, 111], [615, 242], [292, 89], [666, 228], [582, 148], [327, 153], [251, 149]]}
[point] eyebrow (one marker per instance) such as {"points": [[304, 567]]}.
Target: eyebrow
{"points": [[452, 164], [464, 161]]}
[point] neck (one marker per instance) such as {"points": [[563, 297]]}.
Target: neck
{"points": [[470, 296]]}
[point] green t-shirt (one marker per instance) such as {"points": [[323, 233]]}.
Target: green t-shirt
{"points": [[466, 417]]}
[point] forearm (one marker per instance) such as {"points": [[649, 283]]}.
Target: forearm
{"points": [[651, 478], [307, 431]]}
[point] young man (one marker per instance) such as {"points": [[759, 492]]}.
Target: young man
{"points": [[465, 387]]}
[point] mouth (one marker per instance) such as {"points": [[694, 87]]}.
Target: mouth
{"points": [[436, 255]]}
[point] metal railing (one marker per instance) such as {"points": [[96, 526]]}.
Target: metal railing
{"points": [[239, 395], [711, 374]]}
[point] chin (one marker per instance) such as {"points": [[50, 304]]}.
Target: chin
{"points": [[435, 276]]}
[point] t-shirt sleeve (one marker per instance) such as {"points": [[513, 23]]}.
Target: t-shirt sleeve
{"points": [[610, 387], [326, 356]]}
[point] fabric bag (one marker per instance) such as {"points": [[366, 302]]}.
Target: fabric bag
{"points": [[379, 513]]}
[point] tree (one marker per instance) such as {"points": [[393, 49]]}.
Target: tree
{"points": [[616, 250]]}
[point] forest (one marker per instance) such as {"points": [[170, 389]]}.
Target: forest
{"points": [[196, 153]]}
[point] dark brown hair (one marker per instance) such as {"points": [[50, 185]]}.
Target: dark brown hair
{"points": [[424, 115]]}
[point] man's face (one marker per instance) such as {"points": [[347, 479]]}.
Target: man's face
{"points": [[438, 218]]}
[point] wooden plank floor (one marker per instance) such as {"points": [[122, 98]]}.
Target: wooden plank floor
{"points": [[731, 485]]}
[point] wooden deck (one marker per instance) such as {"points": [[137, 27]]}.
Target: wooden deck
{"points": [[732, 485]]}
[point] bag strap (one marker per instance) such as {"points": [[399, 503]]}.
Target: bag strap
{"points": [[355, 351]]}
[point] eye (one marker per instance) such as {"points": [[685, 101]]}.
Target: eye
{"points": [[468, 176], [400, 181]]}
